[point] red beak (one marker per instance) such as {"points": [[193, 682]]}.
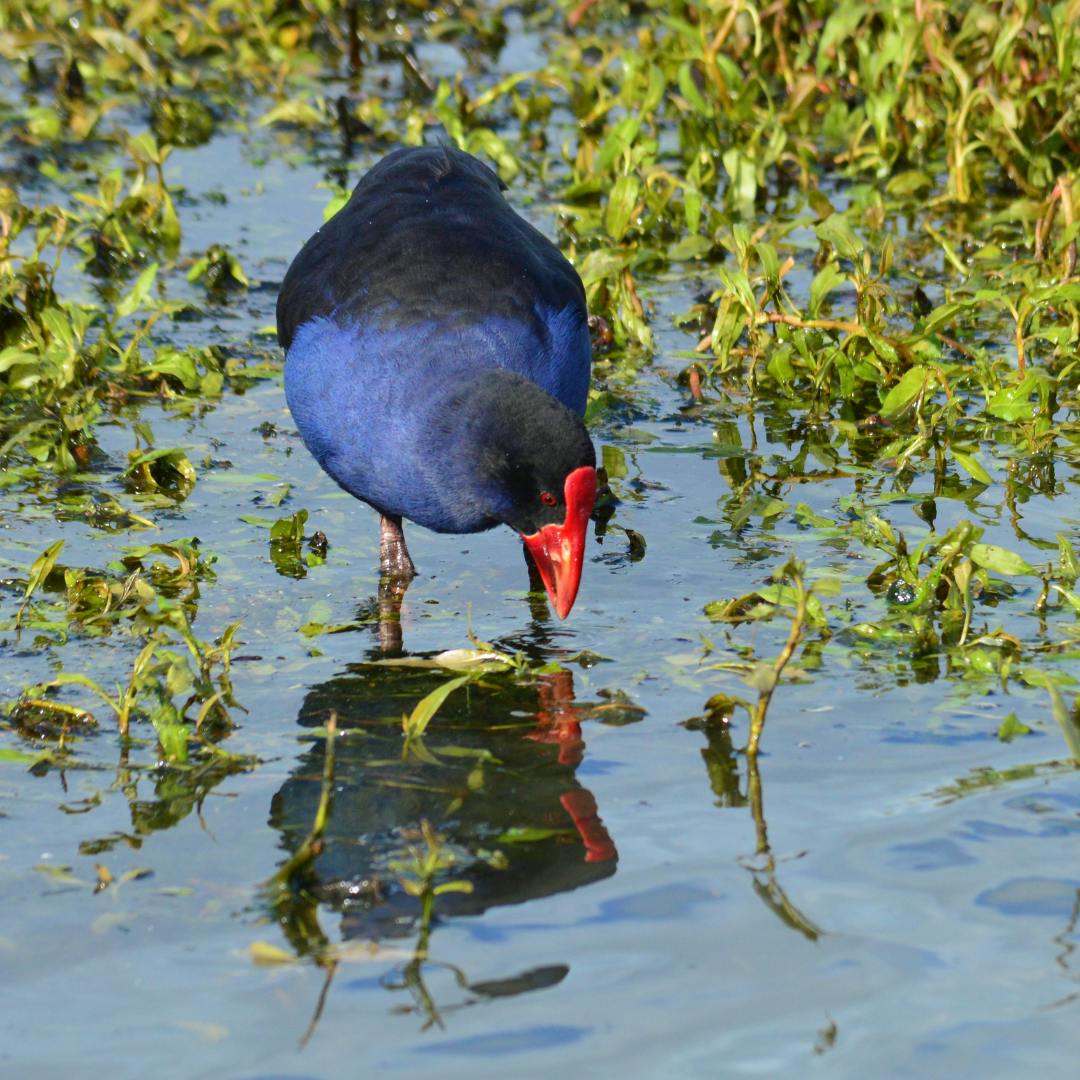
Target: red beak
{"points": [[559, 550]]}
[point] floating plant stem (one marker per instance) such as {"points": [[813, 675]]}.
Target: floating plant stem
{"points": [[791, 571]]}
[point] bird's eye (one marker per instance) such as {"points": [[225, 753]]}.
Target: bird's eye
{"points": [[547, 498]]}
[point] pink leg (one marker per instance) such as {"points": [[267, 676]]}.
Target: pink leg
{"points": [[394, 560], [391, 594]]}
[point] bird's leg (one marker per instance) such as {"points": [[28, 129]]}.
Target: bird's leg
{"points": [[391, 594], [394, 560], [538, 606], [536, 582], [396, 570]]}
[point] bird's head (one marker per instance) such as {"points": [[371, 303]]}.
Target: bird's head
{"points": [[552, 515], [538, 468], [558, 548]]}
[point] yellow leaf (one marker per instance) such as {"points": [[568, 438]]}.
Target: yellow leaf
{"points": [[264, 954]]}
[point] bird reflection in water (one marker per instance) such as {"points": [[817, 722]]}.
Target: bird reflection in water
{"points": [[485, 812]]}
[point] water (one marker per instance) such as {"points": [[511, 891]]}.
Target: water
{"points": [[918, 916]]}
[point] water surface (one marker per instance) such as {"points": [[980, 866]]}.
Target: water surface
{"points": [[920, 907]]}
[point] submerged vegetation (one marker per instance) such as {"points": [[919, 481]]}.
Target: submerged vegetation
{"points": [[844, 234]]}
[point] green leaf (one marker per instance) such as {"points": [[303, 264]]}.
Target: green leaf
{"points": [[473, 660], [178, 365], [1068, 566], [339, 199], [1011, 727], [619, 139], [1067, 721], [453, 660], [1069, 597], [453, 886], [770, 262], [906, 392], [1014, 403], [972, 467], [71, 678], [740, 167], [11, 356], [276, 495], [295, 111], [522, 834], [16, 757], [689, 247], [809, 518], [169, 225], [837, 231], [828, 278], [621, 204], [42, 567], [133, 301], [691, 211], [908, 182], [266, 954], [941, 315], [114, 41], [999, 560], [174, 741], [314, 629], [417, 721], [173, 466], [289, 530], [689, 89], [286, 538]]}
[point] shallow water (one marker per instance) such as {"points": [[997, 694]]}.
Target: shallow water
{"points": [[919, 917]]}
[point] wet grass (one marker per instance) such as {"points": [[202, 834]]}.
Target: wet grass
{"points": [[868, 216]]}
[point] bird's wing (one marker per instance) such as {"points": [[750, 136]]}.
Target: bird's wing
{"points": [[427, 236]]}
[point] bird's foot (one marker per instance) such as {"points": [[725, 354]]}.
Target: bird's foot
{"points": [[394, 559]]}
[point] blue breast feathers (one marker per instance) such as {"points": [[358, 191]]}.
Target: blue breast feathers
{"points": [[368, 399]]}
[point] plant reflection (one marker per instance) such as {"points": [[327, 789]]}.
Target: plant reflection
{"points": [[1066, 942], [178, 790], [484, 811], [722, 765]]}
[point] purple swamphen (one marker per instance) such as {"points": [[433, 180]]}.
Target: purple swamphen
{"points": [[437, 363]]}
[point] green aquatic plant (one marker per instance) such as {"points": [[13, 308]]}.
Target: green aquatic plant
{"points": [[788, 595], [181, 684], [219, 270], [830, 248]]}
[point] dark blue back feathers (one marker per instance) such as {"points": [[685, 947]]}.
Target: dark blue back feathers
{"points": [[423, 290]]}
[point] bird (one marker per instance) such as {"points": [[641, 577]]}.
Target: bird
{"points": [[438, 360]]}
